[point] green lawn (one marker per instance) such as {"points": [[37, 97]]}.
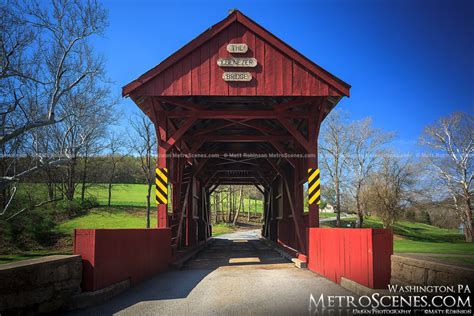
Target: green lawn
{"points": [[415, 246], [31, 255], [457, 259], [122, 194], [220, 229], [108, 218], [327, 215]]}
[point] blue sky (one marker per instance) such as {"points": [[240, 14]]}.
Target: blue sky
{"points": [[408, 61]]}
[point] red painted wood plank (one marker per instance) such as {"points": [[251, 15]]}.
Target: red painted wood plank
{"points": [[269, 70], [196, 72], [178, 78], [298, 79], [168, 87], [233, 37], [186, 75], [287, 76], [214, 72], [222, 88], [204, 70], [260, 56], [248, 88]]}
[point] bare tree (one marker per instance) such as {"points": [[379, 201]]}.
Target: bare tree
{"points": [[391, 189], [91, 112], [115, 147], [45, 56], [334, 149], [143, 143], [366, 145], [452, 140]]}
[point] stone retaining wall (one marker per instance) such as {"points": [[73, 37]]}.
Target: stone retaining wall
{"points": [[410, 271], [39, 285]]}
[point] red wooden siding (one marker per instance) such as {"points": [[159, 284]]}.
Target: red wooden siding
{"points": [[198, 74], [361, 255], [113, 255]]}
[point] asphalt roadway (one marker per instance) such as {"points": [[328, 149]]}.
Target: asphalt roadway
{"points": [[237, 275]]}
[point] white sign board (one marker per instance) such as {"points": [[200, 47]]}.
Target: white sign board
{"points": [[237, 76], [237, 62], [237, 48]]}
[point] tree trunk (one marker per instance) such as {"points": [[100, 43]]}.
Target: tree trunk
{"points": [[468, 225], [338, 204], [217, 203], [248, 209], [111, 179], [70, 185], [255, 205], [231, 205], [84, 178], [360, 214], [236, 217], [148, 195], [50, 185], [110, 193]]}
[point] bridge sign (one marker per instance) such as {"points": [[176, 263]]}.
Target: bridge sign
{"points": [[237, 76], [237, 48], [237, 62]]}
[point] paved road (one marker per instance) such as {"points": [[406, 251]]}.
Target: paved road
{"points": [[237, 275]]}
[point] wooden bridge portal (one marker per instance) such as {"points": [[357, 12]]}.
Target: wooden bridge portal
{"points": [[237, 105]]}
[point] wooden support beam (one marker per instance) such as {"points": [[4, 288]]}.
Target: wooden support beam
{"points": [[245, 138], [181, 103], [297, 218], [218, 127], [296, 133], [278, 146], [258, 188], [258, 127], [237, 114], [180, 132], [291, 104]]}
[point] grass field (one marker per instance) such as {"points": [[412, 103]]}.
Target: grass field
{"points": [[108, 218], [122, 194]]}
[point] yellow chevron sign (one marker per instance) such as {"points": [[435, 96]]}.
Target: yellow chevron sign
{"points": [[161, 185], [314, 190]]}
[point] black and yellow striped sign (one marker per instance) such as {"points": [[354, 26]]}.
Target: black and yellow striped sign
{"points": [[314, 190], [161, 185]]}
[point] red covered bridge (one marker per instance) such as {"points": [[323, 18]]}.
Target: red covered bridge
{"points": [[237, 105]]}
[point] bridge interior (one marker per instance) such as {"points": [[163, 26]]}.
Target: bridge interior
{"points": [[267, 142]]}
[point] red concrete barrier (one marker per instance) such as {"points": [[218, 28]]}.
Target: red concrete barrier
{"points": [[359, 254], [114, 255]]}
